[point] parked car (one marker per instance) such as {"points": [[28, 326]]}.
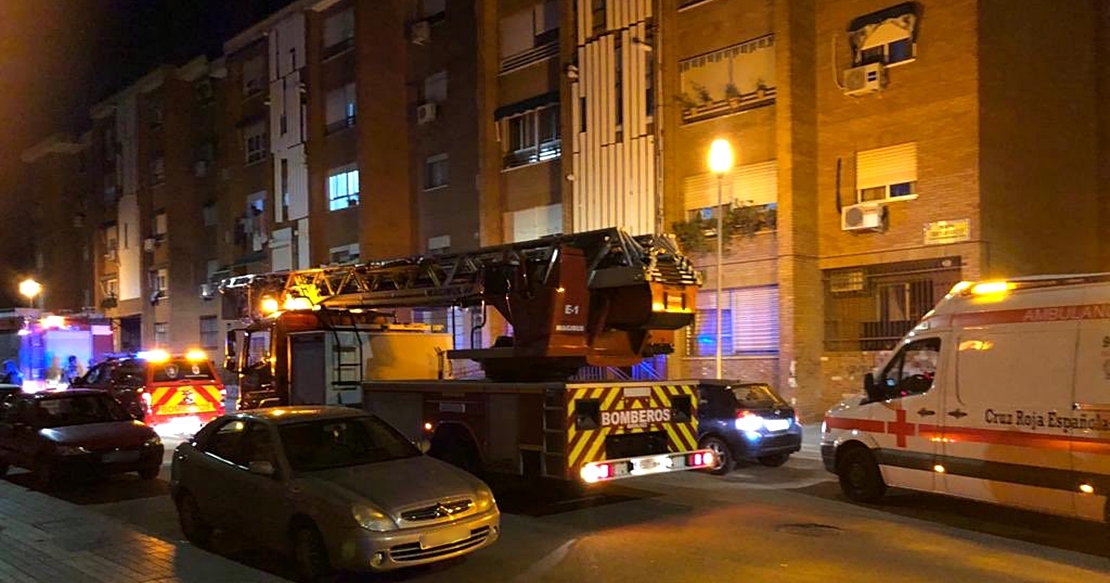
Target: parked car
{"points": [[8, 393], [746, 421], [159, 387], [365, 497], [78, 432]]}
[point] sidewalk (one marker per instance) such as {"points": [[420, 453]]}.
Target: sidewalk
{"points": [[46, 540]]}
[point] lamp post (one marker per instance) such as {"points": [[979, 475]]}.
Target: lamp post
{"points": [[720, 161], [30, 288]]}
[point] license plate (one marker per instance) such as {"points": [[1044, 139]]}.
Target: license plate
{"points": [[444, 537], [777, 424], [120, 456]]}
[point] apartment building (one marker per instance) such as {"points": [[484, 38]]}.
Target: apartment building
{"points": [[61, 215], [883, 151], [152, 149]]}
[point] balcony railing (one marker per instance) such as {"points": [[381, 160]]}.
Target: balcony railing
{"points": [[339, 47], [341, 124], [549, 150], [525, 58]]}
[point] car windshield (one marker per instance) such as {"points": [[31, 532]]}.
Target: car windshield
{"points": [[756, 396], [336, 443], [180, 369], [78, 410]]}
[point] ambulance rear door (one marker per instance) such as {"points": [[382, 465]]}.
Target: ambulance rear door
{"points": [[1089, 421]]}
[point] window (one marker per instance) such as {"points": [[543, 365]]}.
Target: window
{"points": [[754, 185], [161, 333], [226, 443], [530, 35], [210, 268], [110, 189], [535, 222], [339, 32], [912, 370], [209, 332], [158, 170], [433, 8], [341, 108], [435, 171], [344, 254], [343, 188], [533, 137], [749, 323], [649, 75], [618, 73], [254, 76], [111, 288], [871, 307], [887, 173], [597, 8], [255, 139], [160, 225], [887, 36], [159, 280], [435, 88], [156, 110], [211, 216]]}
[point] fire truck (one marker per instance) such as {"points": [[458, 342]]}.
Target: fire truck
{"points": [[600, 299], [41, 342]]}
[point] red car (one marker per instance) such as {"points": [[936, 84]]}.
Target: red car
{"points": [[75, 433]]}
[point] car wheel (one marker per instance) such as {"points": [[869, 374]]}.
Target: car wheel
{"points": [[193, 525], [860, 478], [311, 555], [150, 472], [721, 450], [774, 461]]}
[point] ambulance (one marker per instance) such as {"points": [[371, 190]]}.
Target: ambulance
{"points": [[1000, 394]]}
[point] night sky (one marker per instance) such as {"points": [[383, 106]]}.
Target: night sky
{"points": [[58, 57]]}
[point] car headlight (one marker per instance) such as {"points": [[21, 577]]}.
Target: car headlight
{"points": [[153, 441], [484, 501], [371, 518], [749, 422], [70, 450]]}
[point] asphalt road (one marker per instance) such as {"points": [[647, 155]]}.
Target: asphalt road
{"points": [[756, 524]]}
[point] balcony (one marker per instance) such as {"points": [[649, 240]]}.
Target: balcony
{"points": [[337, 48], [340, 125], [529, 57], [549, 150]]}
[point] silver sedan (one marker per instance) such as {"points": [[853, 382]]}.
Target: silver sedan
{"points": [[338, 487]]}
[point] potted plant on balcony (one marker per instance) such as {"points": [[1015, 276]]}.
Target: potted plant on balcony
{"points": [[733, 95], [761, 88]]}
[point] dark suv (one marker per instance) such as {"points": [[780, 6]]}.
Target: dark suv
{"points": [[746, 421]]}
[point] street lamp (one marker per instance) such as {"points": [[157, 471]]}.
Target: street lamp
{"points": [[30, 288], [720, 161]]}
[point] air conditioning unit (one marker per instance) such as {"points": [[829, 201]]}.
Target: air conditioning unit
{"points": [[426, 113], [864, 79], [420, 33], [149, 244], [110, 255], [207, 291], [862, 217]]}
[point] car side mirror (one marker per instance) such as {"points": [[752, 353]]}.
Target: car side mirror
{"points": [[262, 468], [874, 391], [424, 445]]}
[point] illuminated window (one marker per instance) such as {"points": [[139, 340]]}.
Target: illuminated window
{"points": [[749, 323], [887, 36], [341, 107], [343, 188]]}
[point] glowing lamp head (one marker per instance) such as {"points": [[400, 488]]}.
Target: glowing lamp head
{"points": [[269, 305], [53, 322], [30, 288], [156, 355], [297, 303], [1087, 488], [991, 287], [196, 355], [720, 156]]}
